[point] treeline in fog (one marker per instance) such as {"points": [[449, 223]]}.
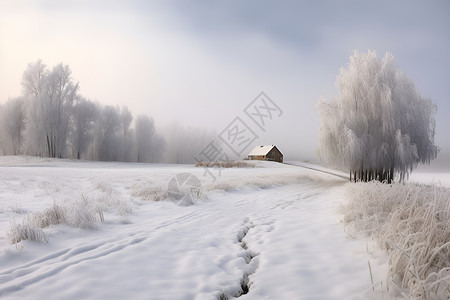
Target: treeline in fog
{"points": [[51, 119]]}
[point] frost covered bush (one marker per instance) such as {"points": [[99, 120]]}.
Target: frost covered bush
{"points": [[378, 126], [79, 214], [108, 199], [25, 231], [82, 214], [50, 216], [149, 192], [412, 224]]}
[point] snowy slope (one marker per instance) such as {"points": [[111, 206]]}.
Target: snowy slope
{"points": [[273, 229]]}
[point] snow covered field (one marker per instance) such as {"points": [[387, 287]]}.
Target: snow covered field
{"points": [[270, 232], [439, 179]]}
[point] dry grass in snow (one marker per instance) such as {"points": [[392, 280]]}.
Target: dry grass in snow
{"points": [[412, 224], [225, 164], [157, 190], [79, 214], [84, 213], [25, 231]]}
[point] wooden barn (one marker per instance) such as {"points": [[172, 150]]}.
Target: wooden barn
{"points": [[270, 153]]}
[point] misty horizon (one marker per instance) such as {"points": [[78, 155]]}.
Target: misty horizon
{"points": [[199, 66]]}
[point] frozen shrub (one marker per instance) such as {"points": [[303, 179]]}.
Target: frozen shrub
{"points": [[147, 192], [81, 215], [124, 209], [25, 231], [50, 216], [104, 187], [412, 224]]}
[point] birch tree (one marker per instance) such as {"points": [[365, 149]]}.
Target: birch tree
{"points": [[378, 127]]}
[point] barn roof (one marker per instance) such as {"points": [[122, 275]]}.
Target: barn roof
{"points": [[261, 150]]}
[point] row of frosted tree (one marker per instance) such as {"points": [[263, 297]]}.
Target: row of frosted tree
{"points": [[52, 119], [378, 127]]}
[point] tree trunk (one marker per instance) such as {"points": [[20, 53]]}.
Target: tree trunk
{"points": [[390, 175], [48, 146]]}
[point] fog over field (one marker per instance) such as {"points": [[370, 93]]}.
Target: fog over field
{"points": [[226, 149]]}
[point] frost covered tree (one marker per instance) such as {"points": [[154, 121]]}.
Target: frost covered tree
{"points": [[33, 84], [126, 118], [378, 126], [149, 145], [61, 92], [52, 119], [12, 124], [51, 95], [84, 115], [107, 138]]}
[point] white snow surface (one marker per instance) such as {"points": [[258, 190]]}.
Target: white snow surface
{"points": [[436, 178], [276, 223]]}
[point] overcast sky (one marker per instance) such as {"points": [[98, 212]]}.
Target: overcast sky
{"points": [[200, 63]]}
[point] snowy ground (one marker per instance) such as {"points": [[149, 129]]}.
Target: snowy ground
{"points": [[274, 229], [439, 179]]}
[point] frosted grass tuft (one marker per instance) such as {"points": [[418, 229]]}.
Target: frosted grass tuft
{"points": [[412, 224]]}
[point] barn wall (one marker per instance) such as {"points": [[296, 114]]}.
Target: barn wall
{"points": [[257, 157], [275, 155]]}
